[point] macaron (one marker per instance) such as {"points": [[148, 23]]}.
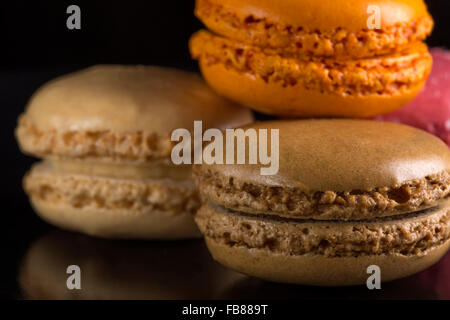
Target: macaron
{"points": [[326, 28], [104, 136], [430, 111], [348, 194], [308, 58]]}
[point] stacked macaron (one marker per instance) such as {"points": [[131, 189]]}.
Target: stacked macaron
{"points": [[349, 194], [309, 58], [105, 136]]}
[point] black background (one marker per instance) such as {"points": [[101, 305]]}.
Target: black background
{"points": [[35, 46]]}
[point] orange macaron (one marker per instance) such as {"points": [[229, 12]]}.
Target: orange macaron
{"points": [[349, 194], [309, 58]]}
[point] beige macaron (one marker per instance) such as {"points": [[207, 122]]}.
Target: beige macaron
{"points": [[104, 134], [348, 194]]}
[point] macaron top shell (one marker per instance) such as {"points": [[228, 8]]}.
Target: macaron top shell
{"points": [[319, 27], [131, 98], [114, 112], [344, 155], [328, 14]]}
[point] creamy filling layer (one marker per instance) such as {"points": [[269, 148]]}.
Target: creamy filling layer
{"points": [[153, 170]]}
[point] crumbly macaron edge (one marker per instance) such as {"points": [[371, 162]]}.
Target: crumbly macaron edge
{"points": [[105, 144], [337, 42], [410, 234], [380, 76], [102, 193], [237, 194]]}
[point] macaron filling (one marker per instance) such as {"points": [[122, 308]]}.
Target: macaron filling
{"points": [[409, 234], [338, 42], [151, 170], [387, 75]]}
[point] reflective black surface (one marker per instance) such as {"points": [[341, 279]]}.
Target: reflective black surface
{"points": [[121, 269], [179, 270]]}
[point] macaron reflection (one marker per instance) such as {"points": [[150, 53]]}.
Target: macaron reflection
{"points": [[175, 270], [121, 270]]}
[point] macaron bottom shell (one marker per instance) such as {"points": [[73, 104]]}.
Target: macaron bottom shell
{"points": [[111, 207], [297, 101], [310, 269], [118, 224], [329, 253]]}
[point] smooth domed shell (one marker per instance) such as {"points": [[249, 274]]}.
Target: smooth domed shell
{"points": [[344, 155], [129, 99], [323, 15]]}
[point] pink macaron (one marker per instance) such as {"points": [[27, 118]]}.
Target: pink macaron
{"points": [[430, 111]]}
